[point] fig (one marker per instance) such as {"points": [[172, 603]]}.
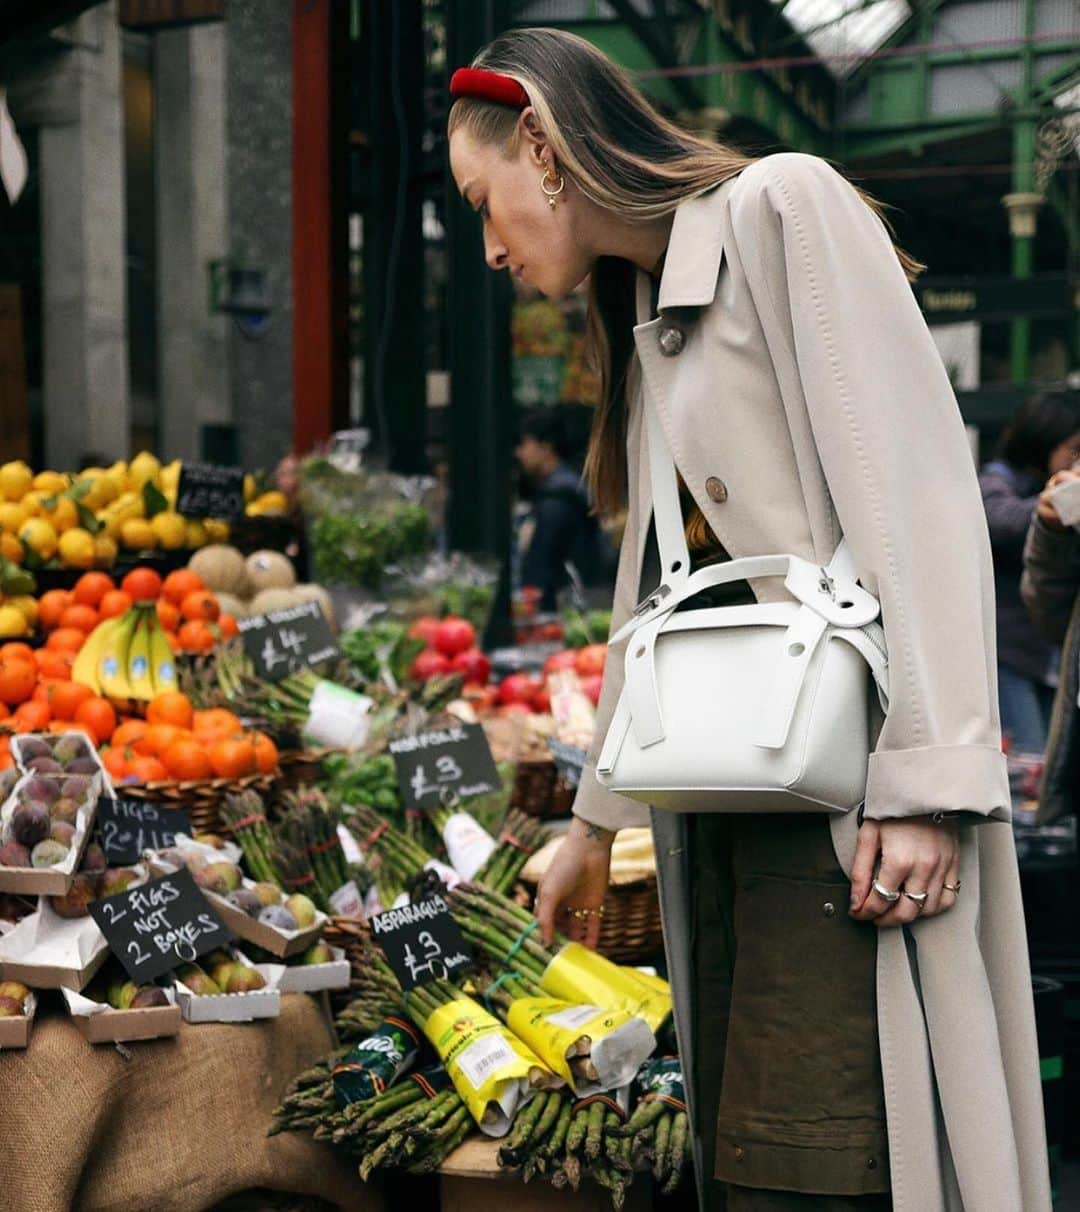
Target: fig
{"points": [[62, 832], [75, 901], [211, 881], [118, 879], [197, 981], [210, 839], [82, 767], [10, 1008], [219, 964], [318, 953], [120, 994], [69, 747], [243, 979], [246, 900], [12, 854], [15, 989], [45, 790], [278, 917], [45, 765], [48, 853], [8, 779], [77, 786], [31, 747], [93, 858], [229, 874], [30, 824], [302, 908], [65, 809], [149, 995], [268, 894], [195, 861]]}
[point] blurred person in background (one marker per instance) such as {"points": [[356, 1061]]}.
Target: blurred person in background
{"points": [[1042, 440], [561, 528]]}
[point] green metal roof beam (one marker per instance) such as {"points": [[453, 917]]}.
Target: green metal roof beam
{"points": [[917, 138], [661, 46], [920, 19], [803, 36]]}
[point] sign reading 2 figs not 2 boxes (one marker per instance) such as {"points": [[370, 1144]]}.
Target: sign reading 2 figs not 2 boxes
{"points": [[208, 491], [159, 925], [285, 641], [131, 827], [444, 766], [421, 942]]}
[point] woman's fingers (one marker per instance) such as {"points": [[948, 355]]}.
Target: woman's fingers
{"points": [[862, 871], [911, 882], [952, 877], [544, 911], [592, 931]]}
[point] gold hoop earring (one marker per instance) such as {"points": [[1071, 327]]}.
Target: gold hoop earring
{"points": [[551, 194]]}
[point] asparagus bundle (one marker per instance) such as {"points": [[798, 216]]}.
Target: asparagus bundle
{"points": [[310, 825], [373, 987], [535, 1138], [593, 1146], [392, 858], [520, 837], [658, 1129], [293, 864], [245, 815], [309, 1099]]}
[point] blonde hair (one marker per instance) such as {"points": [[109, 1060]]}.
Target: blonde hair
{"points": [[625, 157]]}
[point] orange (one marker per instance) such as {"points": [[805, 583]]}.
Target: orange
{"points": [[142, 584], [32, 717], [128, 733], [17, 680], [115, 761], [227, 626], [66, 639], [168, 614], [200, 605], [16, 651], [174, 642], [156, 739], [114, 603], [97, 715], [187, 761], [170, 707], [43, 690], [91, 587], [82, 618], [196, 636], [178, 584], [147, 770], [65, 698], [53, 665], [51, 606], [215, 723], [266, 753], [233, 757], [6, 761]]}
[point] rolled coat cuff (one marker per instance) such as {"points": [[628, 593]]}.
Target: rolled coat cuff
{"points": [[595, 804], [944, 778]]}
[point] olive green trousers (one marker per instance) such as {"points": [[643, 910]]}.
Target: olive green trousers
{"points": [[787, 1072]]}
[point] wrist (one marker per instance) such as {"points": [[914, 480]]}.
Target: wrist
{"points": [[594, 835]]}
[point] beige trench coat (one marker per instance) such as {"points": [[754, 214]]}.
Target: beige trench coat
{"points": [[807, 398]]}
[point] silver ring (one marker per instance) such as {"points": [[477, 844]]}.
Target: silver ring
{"points": [[918, 897], [953, 888], [885, 893]]}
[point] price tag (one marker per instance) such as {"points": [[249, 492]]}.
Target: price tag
{"points": [[131, 827], [285, 641], [421, 942], [208, 491], [444, 766], [159, 925], [570, 760]]}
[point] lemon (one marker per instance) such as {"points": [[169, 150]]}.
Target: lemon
{"points": [[92, 485], [142, 469], [12, 623], [269, 503], [137, 534], [217, 531], [170, 477], [31, 504], [169, 528], [249, 487], [195, 533], [76, 548], [27, 607], [10, 548], [104, 551], [112, 485], [15, 480], [12, 516], [50, 482], [39, 536], [64, 514]]}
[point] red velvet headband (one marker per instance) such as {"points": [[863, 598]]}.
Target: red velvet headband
{"points": [[488, 86]]}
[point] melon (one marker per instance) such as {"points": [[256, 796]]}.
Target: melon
{"points": [[270, 570], [222, 569], [273, 599], [316, 593], [231, 604]]}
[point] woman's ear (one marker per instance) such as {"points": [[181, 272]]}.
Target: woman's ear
{"points": [[533, 138]]}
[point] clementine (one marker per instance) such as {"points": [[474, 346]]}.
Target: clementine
{"points": [[233, 757], [179, 583], [97, 715], [187, 761], [51, 605], [114, 603], [170, 707], [142, 584], [91, 587]]}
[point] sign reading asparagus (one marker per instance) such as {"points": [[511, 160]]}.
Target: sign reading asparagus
{"points": [[285, 641], [131, 827], [421, 942], [444, 766], [208, 491], [159, 925]]}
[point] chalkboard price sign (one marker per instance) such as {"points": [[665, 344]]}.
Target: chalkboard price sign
{"points": [[570, 759], [159, 925], [288, 640], [444, 766], [208, 491], [131, 827], [421, 942]]}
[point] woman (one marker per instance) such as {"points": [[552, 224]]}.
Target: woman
{"points": [[802, 397], [1042, 439]]}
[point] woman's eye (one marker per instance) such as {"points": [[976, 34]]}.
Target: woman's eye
{"points": [[483, 212]]}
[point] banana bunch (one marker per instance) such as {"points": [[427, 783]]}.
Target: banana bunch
{"points": [[127, 659]]}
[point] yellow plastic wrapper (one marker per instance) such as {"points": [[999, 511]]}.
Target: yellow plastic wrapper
{"points": [[613, 1044], [488, 1066], [579, 975]]}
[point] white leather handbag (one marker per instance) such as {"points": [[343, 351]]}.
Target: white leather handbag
{"points": [[757, 708]]}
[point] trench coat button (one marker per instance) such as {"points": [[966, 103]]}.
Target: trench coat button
{"points": [[872, 1164], [671, 341], [739, 1152], [829, 909], [716, 489]]}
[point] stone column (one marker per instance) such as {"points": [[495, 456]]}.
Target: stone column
{"points": [[190, 165]]}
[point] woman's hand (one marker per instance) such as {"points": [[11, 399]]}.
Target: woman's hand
{"points": [[912, 854], [1045, 509], [576, 880]]}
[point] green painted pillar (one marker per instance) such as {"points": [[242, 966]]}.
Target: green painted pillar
{"points": [[1022, 219]]}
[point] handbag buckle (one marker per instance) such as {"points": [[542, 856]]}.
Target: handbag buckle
{"points": [[652, 601]]}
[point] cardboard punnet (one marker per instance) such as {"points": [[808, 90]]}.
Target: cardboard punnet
{"points": [[57, 880], [22, 760], [100, 1023], [15, 1032], [309, 978], [228, 1007], [46, 951]]}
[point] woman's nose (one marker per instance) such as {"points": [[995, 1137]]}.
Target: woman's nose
{"points": [[495, 254]]}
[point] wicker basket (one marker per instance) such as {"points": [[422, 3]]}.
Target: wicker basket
{"points": [[541, 791], [202, 798], [299, 766]]}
